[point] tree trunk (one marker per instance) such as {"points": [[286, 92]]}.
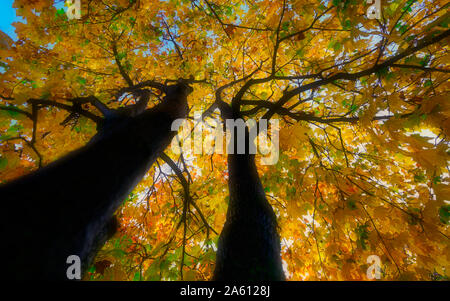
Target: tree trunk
{"points": [[249, 245], [66, 207]]}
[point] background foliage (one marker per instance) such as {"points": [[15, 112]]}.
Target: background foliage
{"points": [[363, 166]]}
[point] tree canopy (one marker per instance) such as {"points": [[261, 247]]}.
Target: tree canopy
{"points": [[363, 108]]}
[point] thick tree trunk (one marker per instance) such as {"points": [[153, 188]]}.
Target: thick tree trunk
{"points": [[66, 207], [249, 245]]}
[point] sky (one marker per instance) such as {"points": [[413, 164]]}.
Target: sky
{"points": [[7, 16]]}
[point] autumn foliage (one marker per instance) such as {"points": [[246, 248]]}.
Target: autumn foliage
{"points": [[364, 115]]}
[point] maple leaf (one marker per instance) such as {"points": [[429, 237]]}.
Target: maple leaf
{"points": [[300, 36], [363, 114], [230, 29]]}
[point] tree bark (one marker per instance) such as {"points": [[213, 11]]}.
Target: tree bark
{"points": [[249, 244], [66, 207]]}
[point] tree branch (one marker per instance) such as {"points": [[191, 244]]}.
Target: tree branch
{"points": [[353, 76], [421, 68], [17, 110], [119, 64], [185, 185], [72, 109], [31, 145]]}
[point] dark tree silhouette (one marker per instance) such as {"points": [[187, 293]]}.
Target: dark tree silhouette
{"points": [[249, 245], [66, 208]]}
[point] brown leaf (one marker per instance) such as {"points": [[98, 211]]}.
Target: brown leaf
{"points": [[101, 266], [230, 29], [300, 36]]}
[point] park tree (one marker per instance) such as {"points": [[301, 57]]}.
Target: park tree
{"points": [[363, 117]]}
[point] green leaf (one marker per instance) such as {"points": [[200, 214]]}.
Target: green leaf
{"points": [[12, 114], [128, 66], [60, 12], [428, 83], [351, 204], [383, 72], [137, 276], [4, 137], [444, 214], [81, 80], [347, 24], [337, 46], [437, 180], [425, 60], [403, 28], [300, 52], [363, 235], [419, 178], [3, 163], [15, 129], [228, 10], [353, 107], [410, 38], [121, 55]]}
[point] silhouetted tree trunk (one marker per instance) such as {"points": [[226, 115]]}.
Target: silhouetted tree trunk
{"points": [[249, 245], [66, 207]]}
